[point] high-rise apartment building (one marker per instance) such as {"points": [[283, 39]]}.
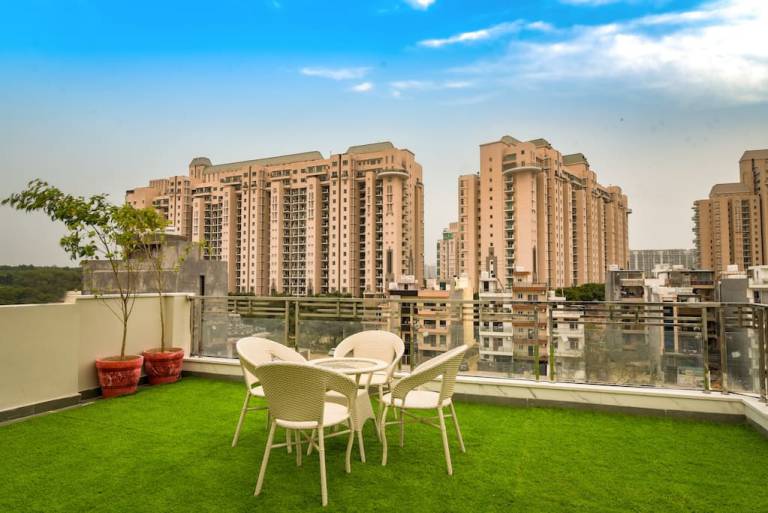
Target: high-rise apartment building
{"points": [[448, 253], [731, 226], [647, 259], [532, 208], [303, 224], [170, 196]]}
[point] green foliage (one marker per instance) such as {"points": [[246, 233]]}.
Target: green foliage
{"points": [[586, 292], [98, 230], [27, 284]]}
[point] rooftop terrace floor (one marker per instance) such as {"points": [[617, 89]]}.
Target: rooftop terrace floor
{"points": [[168, 449]]}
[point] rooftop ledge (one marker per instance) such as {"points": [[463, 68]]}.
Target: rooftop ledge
{"points": [[638, 400]]}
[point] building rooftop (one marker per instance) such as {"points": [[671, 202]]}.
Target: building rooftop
{"points": [[539, 143], [754, 154], [575, 158], [268, 161], [729, 188], [168, 449], [371, 148]]}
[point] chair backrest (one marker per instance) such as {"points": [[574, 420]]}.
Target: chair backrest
{"points": [[379, 344], [296, 391], [445, 365], [261, 350]]}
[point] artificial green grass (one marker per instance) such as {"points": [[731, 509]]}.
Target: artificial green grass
{"points": [[167, 449]]}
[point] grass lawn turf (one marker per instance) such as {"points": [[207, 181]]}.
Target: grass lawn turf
{"points": [[167, 449]]}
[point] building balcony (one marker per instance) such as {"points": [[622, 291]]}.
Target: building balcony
{"points": [[521, 167], [172, 442]]}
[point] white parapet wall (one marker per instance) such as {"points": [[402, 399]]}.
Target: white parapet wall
{"points": [[640, 400], [48, 351]]}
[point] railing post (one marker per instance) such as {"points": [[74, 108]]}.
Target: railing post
{"points": [[536, 348], [297, 305], [287, 322], [761, 341], [723, 351], [705, 349], [550, 346]]}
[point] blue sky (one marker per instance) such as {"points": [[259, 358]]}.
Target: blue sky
{"points": [[661, 96]]}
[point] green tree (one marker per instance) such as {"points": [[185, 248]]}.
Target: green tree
{"points": [[96, 230], [585, 292], [29, 284]]}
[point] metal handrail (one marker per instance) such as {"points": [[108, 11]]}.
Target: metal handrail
{"points": [[726, 342]]}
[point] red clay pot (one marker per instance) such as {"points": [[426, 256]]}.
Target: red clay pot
{"points": [[119, 376], [163, 366]]}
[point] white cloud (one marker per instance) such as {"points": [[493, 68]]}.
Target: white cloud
{"points": [[429, 85], [336, 73], [422, 5], [493, 32], [362, 87], [475, 35], [719, 49], [541, 26], [589, 3]]}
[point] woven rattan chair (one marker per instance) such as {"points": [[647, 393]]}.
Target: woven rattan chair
{"points": [[379, 344], [405, 397], [295, 394], [257, 351]]}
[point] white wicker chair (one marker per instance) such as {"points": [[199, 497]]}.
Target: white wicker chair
{"points": [[258, 351], [295, 394], [404, 397], [379, 344]]}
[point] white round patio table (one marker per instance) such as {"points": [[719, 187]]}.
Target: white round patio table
{"points": [[362, 369]]}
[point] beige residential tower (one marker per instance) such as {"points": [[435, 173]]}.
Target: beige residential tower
{"points": [[303, 224]]}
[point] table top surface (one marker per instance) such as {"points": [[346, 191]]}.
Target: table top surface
{"points": [[352, 365]]}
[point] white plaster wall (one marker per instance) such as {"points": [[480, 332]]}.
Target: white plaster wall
{"points": [[48, 351], [38, 353]]}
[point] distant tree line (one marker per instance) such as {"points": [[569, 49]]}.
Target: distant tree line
{"points": [[585, 292], [25, 284]]}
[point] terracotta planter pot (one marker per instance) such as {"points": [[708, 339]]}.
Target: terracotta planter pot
{"points": [[163, 366], [119, 376]]}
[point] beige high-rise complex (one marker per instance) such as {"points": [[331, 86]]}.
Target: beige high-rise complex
{"points": [[303, 224], [448, 253], [731, 227], [532, 209]]}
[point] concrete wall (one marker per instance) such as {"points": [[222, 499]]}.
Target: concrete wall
{"points": [[39, 348], [48, 351]]}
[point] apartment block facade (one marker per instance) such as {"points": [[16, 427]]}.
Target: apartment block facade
{"points": [[448, 253], [303, 224], [731, 226], [532, 208]]}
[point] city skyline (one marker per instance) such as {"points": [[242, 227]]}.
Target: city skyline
{"points": [[120, 97]]}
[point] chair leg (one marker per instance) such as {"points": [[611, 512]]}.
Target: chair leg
{"points": [[288, 442], [384, 435], [376, 417], [456, 425], [242, 417], [360, 444], [297, 437], [265, 459], [323, 488], [444, 434], [402, 426], [311, 442], [350, 442]]}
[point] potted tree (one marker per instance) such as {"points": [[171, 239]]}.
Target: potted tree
{"points": [[98, 230], [161, 364]]}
